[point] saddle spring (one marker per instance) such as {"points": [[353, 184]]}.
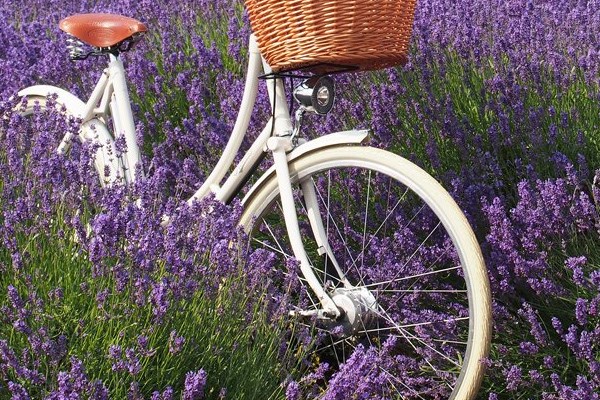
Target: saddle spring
{"points": [[78, 50]]}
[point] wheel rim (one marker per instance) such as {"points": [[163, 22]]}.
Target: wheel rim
{"points": [[397, 250]]}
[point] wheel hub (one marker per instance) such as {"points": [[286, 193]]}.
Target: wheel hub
{"points": [[358, 306]]}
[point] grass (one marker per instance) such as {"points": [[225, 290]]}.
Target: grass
{"points": [[228, 333]]}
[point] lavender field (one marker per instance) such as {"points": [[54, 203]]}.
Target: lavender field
{"points": [[500, 102]]}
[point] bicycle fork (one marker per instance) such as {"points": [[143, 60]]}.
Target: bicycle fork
{"points": [[279, 145]]}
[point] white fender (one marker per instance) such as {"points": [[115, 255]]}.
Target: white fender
{"points": [[332, 139], [94, 130], [74, 106]]}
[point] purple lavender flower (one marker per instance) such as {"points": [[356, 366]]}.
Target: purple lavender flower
{"points": [[132, 362], [575, 264], [292, 391], [175, 342], [581, 311], [17, 391], [75, 383], [160, 299], [168, 394], [195, 383], [513, 377]]}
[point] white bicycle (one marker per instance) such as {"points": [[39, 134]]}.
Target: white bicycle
{"points": [[387, 260]]}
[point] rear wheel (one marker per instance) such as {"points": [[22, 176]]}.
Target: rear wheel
{"points": [[63, 131], [403, 266]]}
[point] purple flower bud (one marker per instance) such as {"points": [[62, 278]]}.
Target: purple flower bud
{"points": [[17, 391], [175, 342], [513, 378], [195, 383], [581, 314], [292, 392]]}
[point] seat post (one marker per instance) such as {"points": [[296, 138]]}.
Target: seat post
{"points": [[120, 108]]}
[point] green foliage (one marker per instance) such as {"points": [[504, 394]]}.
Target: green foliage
{"points": [[227, 334]]}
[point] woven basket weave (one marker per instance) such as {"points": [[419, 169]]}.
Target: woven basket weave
{"points": [[328, 35]]}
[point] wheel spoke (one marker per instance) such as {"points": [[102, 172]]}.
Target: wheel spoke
{"points": [[364, 233], [415, 291], [344, 242], [394, 378], [405, 334], [413, 325], [389, 214], [404, 278]]}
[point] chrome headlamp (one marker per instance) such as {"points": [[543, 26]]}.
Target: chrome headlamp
{"points": [[316, 94]]}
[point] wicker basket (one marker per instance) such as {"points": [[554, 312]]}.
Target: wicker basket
{"points": [[328, 35]]}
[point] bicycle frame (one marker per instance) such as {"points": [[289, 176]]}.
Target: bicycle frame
{"points": [[110, 99]]}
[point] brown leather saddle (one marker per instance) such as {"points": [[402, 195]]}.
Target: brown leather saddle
{"points": [[103, 30]]}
